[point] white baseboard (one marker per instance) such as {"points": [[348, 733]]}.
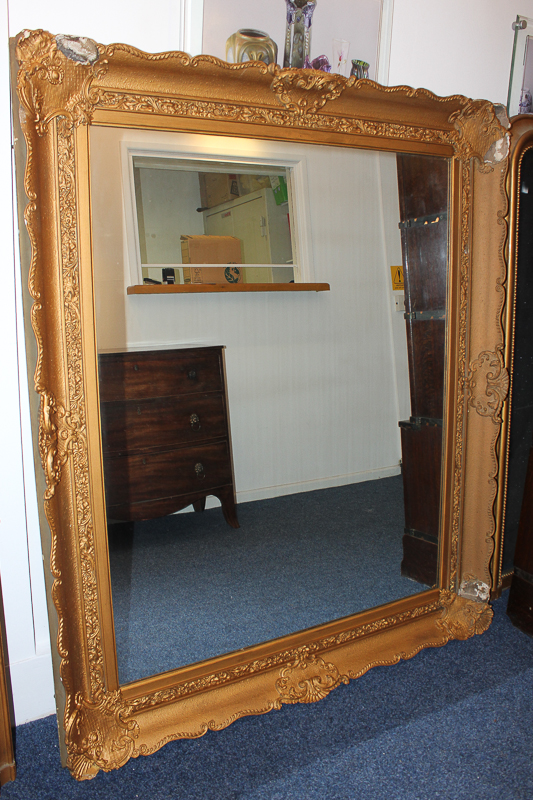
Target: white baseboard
{"points": [[266, 492], [318, 483], [32, 685]]}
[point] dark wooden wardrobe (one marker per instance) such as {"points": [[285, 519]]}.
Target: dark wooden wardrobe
{"points": [[423, 195], [518, 520]]}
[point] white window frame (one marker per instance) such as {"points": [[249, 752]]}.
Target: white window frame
{"points": [[297, 189]]}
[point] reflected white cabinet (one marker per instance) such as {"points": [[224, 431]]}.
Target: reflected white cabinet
{"points": [[263, 228]]}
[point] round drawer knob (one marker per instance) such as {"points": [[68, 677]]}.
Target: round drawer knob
{"points": [[199, 470], [194, 419], [191, 374]]}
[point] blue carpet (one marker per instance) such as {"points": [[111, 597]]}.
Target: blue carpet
{"points": [[188, 587], [453, 723]]}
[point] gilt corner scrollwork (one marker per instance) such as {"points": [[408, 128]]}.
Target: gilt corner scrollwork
{"points": [[37, 53], [48, 86], [308, 679], [462, 618], [488, 384], [99, 735], [480, 134]]}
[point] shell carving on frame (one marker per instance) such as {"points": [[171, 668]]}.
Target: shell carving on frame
{"points": [[307, 680], [488, 384], [305, 92]]}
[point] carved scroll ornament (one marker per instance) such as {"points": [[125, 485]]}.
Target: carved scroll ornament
{"points": [[481, 134], [43, 64], [99, 736], [463, 618], [308, 679], [488, 384], [57, 432], [306, 91], [301, 93]]}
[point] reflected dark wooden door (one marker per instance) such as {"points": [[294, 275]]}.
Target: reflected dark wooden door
{"points": [[423, 196]]}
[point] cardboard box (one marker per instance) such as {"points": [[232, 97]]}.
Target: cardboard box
{"points": [[217, 188], [229, 274], [202, 249], [252, 183]]}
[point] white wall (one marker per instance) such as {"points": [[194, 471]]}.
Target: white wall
{"points": [[356, 21], [455, 47]]}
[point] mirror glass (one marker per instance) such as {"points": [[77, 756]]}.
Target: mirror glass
{"points": [[245, 211], [335, 399]]}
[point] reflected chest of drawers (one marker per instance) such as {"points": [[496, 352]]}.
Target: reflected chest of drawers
{"points": [[165, 432]]}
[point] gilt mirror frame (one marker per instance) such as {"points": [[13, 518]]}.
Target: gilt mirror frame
{"points": [[65, 85]]}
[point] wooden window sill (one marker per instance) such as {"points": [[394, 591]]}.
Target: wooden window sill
{"points": [[202, 288]]}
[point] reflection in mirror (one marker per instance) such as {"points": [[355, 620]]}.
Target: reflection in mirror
{"points": [[423, 193], [200, 212], [315, 389]]}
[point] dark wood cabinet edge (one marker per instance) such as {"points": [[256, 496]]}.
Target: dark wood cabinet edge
{"points": [[203, 288], [8, 769], [520, 603], [420, 559], [221, 488], [165, 506], [504, 584], [8, 773]]}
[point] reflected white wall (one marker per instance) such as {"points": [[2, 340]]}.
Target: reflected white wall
{"points": [[311, 376]]}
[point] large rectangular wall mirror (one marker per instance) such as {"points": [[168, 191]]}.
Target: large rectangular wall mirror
{"points": [[355, 421]]}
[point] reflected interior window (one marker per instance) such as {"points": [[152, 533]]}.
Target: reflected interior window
{"points": [[212, 222]]}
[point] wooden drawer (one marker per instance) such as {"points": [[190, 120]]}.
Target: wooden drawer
{"points": [[134, 426], [158, 373], [165, 433], [133, 479]]}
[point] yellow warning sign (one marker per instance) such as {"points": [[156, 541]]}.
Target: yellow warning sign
{"points": [[397, 279]]}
